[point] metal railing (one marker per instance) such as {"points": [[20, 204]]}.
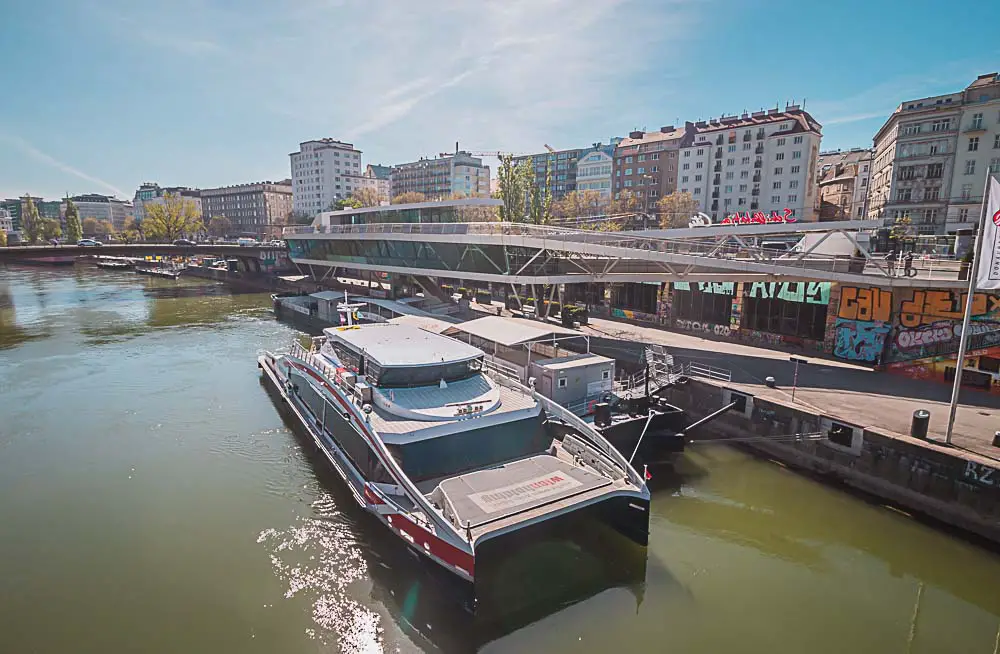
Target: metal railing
{"points": [[695, 369]]}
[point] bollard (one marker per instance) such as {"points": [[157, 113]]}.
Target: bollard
{"points": [[769, 382], [921, 421], [996, 439]]}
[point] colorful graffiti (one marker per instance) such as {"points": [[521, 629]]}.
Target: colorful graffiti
{"points": [[706, 328], [858, 340], [865, 304], [926, 307], [629, 314], [808, 292]]}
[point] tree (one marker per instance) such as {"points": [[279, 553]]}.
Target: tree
{"points": [[299, 218], [410, 197], [3, 239], [676, 209], [74, 230], [30, 222], [89, 226], [344, 203], [514, 182], [367, 196], [576, 204], [175, 217], [50, 228], [219, 226], [105, 228], [625, 202], [901, 232], [131, 232], [609, 225], [540, 204]]}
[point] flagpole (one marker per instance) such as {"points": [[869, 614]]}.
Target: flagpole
{"points": [[963, 341]]}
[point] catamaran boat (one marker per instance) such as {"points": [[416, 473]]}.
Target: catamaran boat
{"points": [[447, 452]]}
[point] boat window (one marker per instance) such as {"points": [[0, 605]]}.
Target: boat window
{"points": [[425, 375], [348, 357]]}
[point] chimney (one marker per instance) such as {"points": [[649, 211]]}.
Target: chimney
{"points": [[636, 134]]}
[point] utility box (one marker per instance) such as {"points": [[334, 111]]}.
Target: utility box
{"points": [[572, 379]]}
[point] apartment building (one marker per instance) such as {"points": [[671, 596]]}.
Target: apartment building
{"points": [[257, 209], [443, 176], [323, 171], [6, 221], [978, 151], [150, 193], [913, 163], [595, 168], [46, 209], [843, 178], [763, 161], [559, 166], [103, 208], [645, 163], [377, 177]]}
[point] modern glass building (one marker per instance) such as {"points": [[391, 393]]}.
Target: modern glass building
{"points": [[468, 210]]}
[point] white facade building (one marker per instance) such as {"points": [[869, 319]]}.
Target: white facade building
{"points": [[6, 221], [443, 176], [978, 151], [760, 162], [103, 208], [323, 171], [594, 170]]}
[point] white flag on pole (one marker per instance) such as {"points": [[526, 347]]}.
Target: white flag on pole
{"points": [[988, 266]]}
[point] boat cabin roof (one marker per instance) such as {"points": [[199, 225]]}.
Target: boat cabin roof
{"points": [[401, 346]]}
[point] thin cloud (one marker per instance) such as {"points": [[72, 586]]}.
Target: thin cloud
{"points": [[37, 154], [854, 118]]}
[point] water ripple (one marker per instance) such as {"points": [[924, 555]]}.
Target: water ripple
{"points": [[319, 558]]}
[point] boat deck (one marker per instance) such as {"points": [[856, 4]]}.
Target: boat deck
{"points": [[386, 423]]}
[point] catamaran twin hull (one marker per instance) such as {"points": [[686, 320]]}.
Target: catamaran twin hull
{"points": [[563, 468]]}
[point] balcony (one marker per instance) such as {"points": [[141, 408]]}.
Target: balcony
{"points": [[756, 177], [974, 126], [718, 167], [754, 206], [715, 180], [715, 205], [760, 135], [746, 137], [718, 140], [755, 192], [718, 153], [759, 149], [715, 194], [758, 164]]}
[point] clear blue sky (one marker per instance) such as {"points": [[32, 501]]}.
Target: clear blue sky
{"points": [[101, 95]]}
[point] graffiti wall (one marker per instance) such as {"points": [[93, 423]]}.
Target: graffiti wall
{"points": [[863, 321], [628, 314], [925, 337]]}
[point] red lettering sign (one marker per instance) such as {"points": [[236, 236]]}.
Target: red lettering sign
{"points": [[996, 219], [759, 218]]}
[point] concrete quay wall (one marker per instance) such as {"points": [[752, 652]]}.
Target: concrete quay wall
{"points": [[953, 486]]}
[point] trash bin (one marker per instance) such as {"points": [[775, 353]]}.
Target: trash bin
{"points": [[921, 421]]}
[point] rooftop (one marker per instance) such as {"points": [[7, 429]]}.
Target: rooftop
{"points": [[464, 202], [394, 345], [573, 361], [510, 331]]}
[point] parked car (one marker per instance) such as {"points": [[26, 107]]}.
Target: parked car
{"points": [[184, 242], [247, 242], [89, 243]]}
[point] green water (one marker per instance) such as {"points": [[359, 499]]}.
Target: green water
{"points": [[152, 499]]}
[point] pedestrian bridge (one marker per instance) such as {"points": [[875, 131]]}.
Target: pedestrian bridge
{"points": [[518, 253], [15, 253]]}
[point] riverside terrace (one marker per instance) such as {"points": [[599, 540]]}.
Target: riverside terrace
{"points": [[518, 253]]}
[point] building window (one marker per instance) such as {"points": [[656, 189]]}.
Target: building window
{"points": [[687, 153], [966, 191], [775, 199], [697, 178], [932, 193], [963, 215], [994, 165], [654, 169], [684, 179], [748, 146], [642, 171], [796, 169], [977, 121], [941, 125], [778, 170], [793, 184], [780, 156], [731, 148], [697, 191], [642, 157], [776, 185], [628, 171], [743, 188], [970, 166], [730, 162], [728, 188], [796, 154], [700, 164], [797, 140], [781, 142], [912, 128], [656, 155], [728, 202], [729, 175], [744, 174], [793, 198], [974, 142], [935, 171], [686, 166]]}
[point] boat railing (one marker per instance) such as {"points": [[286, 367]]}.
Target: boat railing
{"points": [[592, 438]]}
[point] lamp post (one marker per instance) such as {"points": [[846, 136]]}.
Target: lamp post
{"points": [[795, 377]]}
